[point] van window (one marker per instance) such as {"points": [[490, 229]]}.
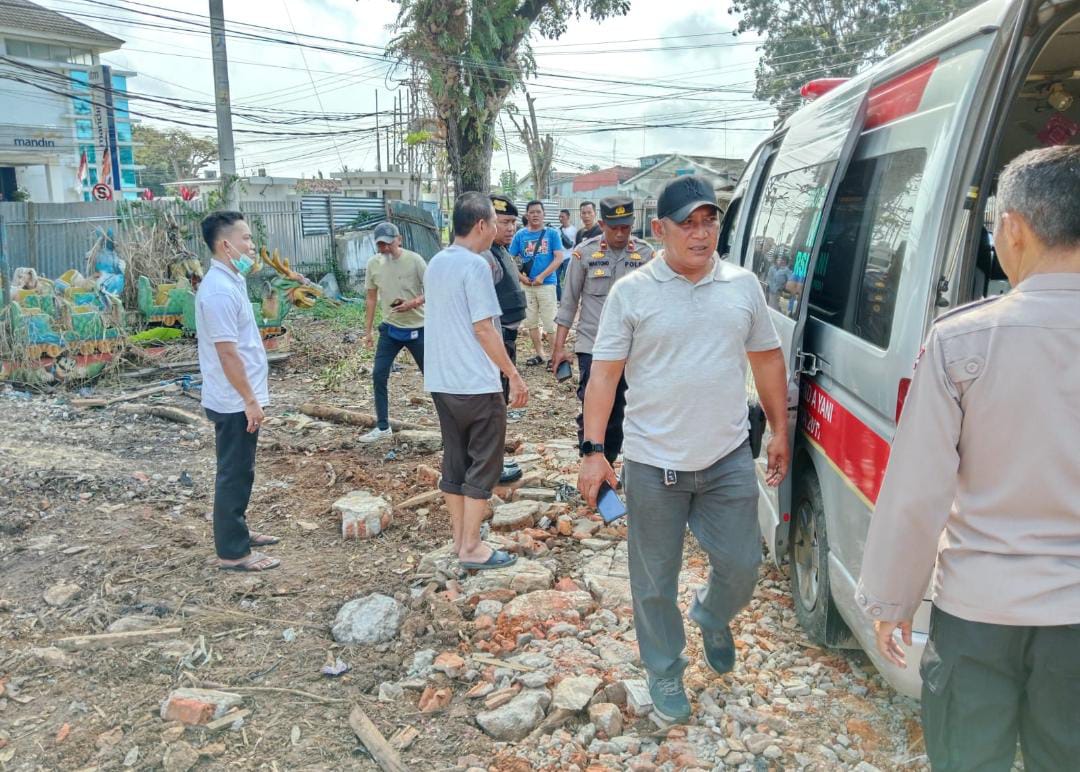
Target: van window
{"points": [[862, 253], [784, 232]]}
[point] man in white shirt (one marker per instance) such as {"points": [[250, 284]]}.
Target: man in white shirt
{"points": [[234, 370], [465, 354], [683, 328]]}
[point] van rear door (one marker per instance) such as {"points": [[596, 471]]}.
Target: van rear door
{"points": [[785, 237]]}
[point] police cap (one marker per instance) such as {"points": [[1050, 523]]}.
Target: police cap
{"points": [[503, 205], [617, 210]]}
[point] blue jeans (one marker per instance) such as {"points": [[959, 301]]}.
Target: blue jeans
{"points": [[385, 353], [719, 505]]}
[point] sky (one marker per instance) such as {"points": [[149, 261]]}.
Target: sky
{"points": [[648, 70]]}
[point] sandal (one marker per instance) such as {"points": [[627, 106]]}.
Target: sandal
{"points": [[254, 563], [498, 559], [263, 540], [536, 360]]}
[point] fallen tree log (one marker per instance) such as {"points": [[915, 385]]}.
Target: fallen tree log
{"points": [[351, 417], [117, 640], [167, 412]]}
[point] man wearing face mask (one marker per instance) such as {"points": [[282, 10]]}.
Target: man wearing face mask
{"points": [[595, 265], [234, 371]]}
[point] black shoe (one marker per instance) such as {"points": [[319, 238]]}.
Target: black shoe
{"points": [[510, 473], [719, 648]]}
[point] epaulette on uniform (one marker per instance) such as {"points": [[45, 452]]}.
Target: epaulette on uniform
{"points": [[959, 310]]}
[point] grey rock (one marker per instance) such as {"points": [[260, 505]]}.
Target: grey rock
{"points": [[535, 680], [52, 656], [363, 514], [637, 696], [367, 621], [488, 607], [523, 576], [519, 514], [772, 752], [133, 623], [61, 593], [422, 663], [390, 692], [180, 757], [757, 742], [574, 693], [419, 440], [535, 494], [514, 720]]}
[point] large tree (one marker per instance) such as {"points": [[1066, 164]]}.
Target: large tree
{"points": [[541, 149], [472, 53], [171, 155], [807, 39]]}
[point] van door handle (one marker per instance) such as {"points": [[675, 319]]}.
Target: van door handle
{"points": [[811, 364]]}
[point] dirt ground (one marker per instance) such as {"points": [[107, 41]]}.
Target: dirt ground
{"points": [[111, 509]]}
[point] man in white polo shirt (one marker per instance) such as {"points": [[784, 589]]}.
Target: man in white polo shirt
{"points": [[234, 371], [682, 328]]}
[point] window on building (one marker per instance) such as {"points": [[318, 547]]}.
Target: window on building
{"points": [[784, 232], [16, 48], [84, 129], [862, 253], [123, 131]]}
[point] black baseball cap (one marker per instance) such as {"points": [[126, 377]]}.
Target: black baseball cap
{"points": [[617, 210], [503, 205], [683, 195]]}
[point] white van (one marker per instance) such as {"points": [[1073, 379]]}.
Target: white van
{"points": [[880, 193]]}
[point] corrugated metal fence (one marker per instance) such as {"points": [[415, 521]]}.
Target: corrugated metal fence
{"points": [[52, 238]]}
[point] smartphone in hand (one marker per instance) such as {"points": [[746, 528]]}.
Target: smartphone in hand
{"points": [[608, 504], [563, 372], [396, 302]]}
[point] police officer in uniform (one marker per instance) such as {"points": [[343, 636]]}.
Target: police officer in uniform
{"points": [[982, 494], [504, 270], [596, 265]]}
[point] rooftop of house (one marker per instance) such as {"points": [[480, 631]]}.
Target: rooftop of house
{"points": [[39, 21]]}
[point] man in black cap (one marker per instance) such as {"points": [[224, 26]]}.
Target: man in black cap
{"points": [[595, 266], [683, 328], [504, 271]]}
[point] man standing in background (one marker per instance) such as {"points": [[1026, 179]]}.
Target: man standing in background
{"points": [[465, 356], [234, 370], [397, 276], [504, 272], [589, 228], [539, 248]]}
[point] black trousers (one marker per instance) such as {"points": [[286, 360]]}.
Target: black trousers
{"points": [[510, 344], [385, 352], [232, 488], [613, 437], [985, 686]]}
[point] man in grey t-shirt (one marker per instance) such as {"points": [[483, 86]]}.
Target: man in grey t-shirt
{"points": [[464, 355], [682, 328]]}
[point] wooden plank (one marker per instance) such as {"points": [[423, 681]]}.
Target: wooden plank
{"points": [[486, 660], [227, 720], [117, 640], [385, 756], [167, 412], [105, 402], [423, 498]]}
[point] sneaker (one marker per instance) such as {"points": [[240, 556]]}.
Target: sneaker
{"points": [[377, 434], [511, 472], [669, 699], [719, 649]]}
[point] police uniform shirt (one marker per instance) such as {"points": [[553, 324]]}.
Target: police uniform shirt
{"points": [[594, 268], [984, 474]]}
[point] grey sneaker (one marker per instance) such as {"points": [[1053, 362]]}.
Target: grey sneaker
{"points": [[376, 434], [719, 649], [669, 699]]}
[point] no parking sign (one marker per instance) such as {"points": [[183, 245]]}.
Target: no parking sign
{"points": [[101, 192]]}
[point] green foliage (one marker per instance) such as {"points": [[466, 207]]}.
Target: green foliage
{"points": [[810, 39], [508, 183], [170, 155], [414, 138], [474, 52]]}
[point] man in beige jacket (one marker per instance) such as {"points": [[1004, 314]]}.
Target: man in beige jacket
{"points": [[984, 482]]}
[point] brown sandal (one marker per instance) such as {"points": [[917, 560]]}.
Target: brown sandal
{"points": [[262, 540], [254, 562]]}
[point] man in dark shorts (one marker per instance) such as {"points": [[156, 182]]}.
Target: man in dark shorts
{"points": [[465, 355]]}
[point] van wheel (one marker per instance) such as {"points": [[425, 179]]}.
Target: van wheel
{"points": [[809, 555]]}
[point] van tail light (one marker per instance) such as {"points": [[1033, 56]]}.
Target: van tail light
{"points": [[901, 396]]}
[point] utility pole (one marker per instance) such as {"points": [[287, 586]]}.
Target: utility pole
{"points": [[378, 144], [226, 151]]}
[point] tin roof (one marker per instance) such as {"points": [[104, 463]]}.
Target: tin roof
{"points": [[36, 20]]}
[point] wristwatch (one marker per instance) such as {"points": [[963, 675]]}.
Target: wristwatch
{"points": [[587, 448]]}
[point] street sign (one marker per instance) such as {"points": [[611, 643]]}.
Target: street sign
{"points": [[101, 192]]}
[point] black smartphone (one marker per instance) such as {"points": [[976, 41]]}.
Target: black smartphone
{"points": [[564, 372], [396, 302], [608, 504]]}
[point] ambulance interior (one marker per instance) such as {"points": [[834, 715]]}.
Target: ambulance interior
{"points": [[1044, 112]]}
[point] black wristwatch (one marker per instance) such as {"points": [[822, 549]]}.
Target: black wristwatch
{"points": [[588, 448]]}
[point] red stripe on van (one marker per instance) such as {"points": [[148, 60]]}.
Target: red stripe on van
{"points": [[857, 452], [898, 97]]}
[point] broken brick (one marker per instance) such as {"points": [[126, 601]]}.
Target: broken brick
{"points": [[198, 706]]}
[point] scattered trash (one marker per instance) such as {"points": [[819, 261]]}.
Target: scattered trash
{"points": [[288, 634], [339, 667]]}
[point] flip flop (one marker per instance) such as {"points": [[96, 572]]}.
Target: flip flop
{"points": [[253, 563], [498, 559], [263, 540], [537, 360]]}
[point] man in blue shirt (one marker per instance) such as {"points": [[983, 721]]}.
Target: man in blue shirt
{"points": [[539, 249]]}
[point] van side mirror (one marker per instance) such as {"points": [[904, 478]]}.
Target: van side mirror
{"points": [[942, 291]]}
